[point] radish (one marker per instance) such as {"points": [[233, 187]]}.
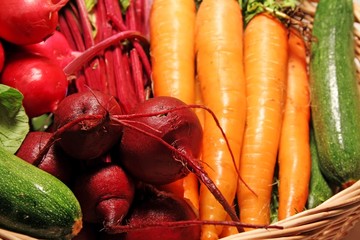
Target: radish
{"points": [[54, 161], [2, 57], [28, 22], [161, 143], [42, 82], [91, 133], [105, 194], [149, 214], [55, 47]]}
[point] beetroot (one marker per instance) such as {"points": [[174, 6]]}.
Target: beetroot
{"points": [[149, 159], [94, 134], [42, 82], [161, 143], [27, 22], [150, 213], [54, 161], [105, 194]]}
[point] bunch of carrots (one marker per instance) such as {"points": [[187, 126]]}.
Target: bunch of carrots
{"points": [[249, 67]]}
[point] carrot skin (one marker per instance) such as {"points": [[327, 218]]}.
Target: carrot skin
{"points": [[172, 26], [294, 150], [219, 61], [265, 57]]}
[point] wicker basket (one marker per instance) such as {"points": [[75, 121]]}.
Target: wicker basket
{"points": [[331, 220]]}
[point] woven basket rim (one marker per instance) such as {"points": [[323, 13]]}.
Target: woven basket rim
{"points": [[341, 205]]}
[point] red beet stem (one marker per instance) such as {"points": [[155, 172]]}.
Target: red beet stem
{"points": [[91, 52]]}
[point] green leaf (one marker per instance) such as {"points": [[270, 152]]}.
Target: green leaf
{"points": [[90, 4], [124, 4], [277, 7], [14, 123]]}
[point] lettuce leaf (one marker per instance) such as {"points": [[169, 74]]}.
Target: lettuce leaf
{"points": [[14, 123]]}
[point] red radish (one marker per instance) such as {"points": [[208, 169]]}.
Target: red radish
{"points": [[42, 82], [2, 57], [55, 47], [28, 22], [54, 161], [155, 209], [161, 144], [105, 194], [90, 137]]}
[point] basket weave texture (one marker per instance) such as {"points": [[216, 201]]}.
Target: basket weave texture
{"points": [[332, 220]]}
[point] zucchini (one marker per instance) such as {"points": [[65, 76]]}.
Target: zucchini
{"points": [[335, 98], [35, 203], [319, 189]]}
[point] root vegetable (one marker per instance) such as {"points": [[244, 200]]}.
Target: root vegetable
{"points": [[89, 138], [161, 143], [28, 22], [42, 82], [54, 161], [105, 194]]}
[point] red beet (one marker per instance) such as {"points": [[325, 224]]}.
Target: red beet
{"points": [[105, 194], [42, 82], [91, 133], [54, 161], [150, 213], [161, 144], [147, 158]]}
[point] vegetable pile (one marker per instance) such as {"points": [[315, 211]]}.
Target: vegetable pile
{"points": [[165, 119]]}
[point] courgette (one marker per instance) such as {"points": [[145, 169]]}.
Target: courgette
{"points": [[319, 189], [34, 202], [335, 99]]}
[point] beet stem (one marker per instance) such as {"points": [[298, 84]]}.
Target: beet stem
{"points": [[195, 167]]}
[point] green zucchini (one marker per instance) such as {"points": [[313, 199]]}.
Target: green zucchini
{"points": [[335, 99], [34, 202], [319, 188]]}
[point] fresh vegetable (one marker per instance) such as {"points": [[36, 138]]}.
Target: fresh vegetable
{"points": [[42, 82], [14, 123], [319, 189], [150, 213], [105, 194], [220, 71], [266, 58], [334, 93], [83, 125], [34, 202], [55, 161], [294, 149], [2, 56], [28, 22], [171, 25], [55, 47], [161, 144]]}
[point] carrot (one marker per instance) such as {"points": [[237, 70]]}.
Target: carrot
{"points": [[172, 26], [265, 58], [294, 150], [219, 61]]}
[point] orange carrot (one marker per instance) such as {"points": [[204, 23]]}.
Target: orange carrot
{"points": [[294, 150], [219, 60], [172, 26], [265, 58]]}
